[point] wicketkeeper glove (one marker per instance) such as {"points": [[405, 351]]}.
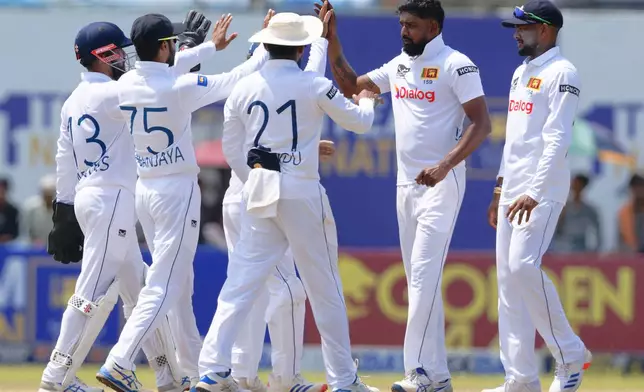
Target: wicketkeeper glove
{"points": [[65, 241], [197, 27]]}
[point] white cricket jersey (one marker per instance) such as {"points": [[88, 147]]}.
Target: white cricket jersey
{"points": [[316, 63], [544, 95], [282, 108], [95, 146], [427, 94], [158, 104]]}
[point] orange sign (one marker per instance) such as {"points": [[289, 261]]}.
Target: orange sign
{"points": [[599, 299]]}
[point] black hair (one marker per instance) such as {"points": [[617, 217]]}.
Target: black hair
{"points": [[4, 183], [583, 179], [148, 51], [282, 52], [88, 62], [636, 180], [424, 9]]}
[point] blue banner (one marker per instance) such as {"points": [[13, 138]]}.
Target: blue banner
{"points": [[361, 180], [34, 290]]}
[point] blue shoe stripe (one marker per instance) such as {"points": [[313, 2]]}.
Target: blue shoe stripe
{"points": [[307, 388], [294, 387], [105, 373], [440, 388], [574, 375], [207, 380], [300, 387]]}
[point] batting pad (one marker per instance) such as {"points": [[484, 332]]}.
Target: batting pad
{"points": [[97, 312]]}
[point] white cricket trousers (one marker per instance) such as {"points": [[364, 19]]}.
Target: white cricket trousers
{"points": [[527, 297], [169, 210], [111, 251], [281, 304], [426, 219], [307, 225]]}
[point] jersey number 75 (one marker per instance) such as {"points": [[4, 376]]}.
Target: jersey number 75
{"points": [[147, 128]]}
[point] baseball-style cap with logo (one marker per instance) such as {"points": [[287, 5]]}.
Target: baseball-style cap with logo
{"points": [[535, 12], [99, 35], [152, 28]]}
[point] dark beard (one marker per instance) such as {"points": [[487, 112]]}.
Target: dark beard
{"points": [[170, 61], [116, 73], [527, 51], [414, 49]]}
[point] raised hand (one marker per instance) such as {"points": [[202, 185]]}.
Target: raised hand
{"points": [[268, 17], [221, 30], [327, 15]]}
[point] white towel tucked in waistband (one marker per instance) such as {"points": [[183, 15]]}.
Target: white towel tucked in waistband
{"points": [[263, 192]]}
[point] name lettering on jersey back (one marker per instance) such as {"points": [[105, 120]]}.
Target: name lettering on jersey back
{"points": [[167, 157], [520, 106], [99, 166], [294, 158], [407, 93]]}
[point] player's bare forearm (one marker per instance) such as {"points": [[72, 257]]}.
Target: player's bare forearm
{"points": [[499, 181], [348, 81], [474, 135]]}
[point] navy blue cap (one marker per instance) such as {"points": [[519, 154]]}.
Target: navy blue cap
{"points": [[151, 28], [98, 35], [536, 12]]}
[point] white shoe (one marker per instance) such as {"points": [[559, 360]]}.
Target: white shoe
{"points": [[443, 386], [118, 378], [76, 386], [568, 376], [357, 386], [177, 387], [514, 386], [218, 382], [415, 381], [276, 384], [253, 385]]}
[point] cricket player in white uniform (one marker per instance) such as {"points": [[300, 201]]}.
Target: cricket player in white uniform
{"points": [[94, 214], [272, 123], [282, 303], [157, 104], [433, 88], [532, 188]]}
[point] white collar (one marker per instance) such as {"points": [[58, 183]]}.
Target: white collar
{"points": [[95, 77], [544, 57]]}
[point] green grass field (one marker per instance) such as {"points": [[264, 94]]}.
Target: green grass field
{"points": [[26, 378]]}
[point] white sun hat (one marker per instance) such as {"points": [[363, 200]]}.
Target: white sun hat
{"points": [[290, 29]]}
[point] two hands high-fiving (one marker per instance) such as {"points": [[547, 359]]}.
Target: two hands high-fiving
{"points": [[326, 14]]}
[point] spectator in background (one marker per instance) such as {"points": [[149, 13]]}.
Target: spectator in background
{"points": [[213, 182], [631, 218], [37, 212], [8, 215], [578, 229]]}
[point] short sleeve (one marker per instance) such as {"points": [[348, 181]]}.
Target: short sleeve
{"points": [[466, 80], [380, 77], [352, 117]]}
